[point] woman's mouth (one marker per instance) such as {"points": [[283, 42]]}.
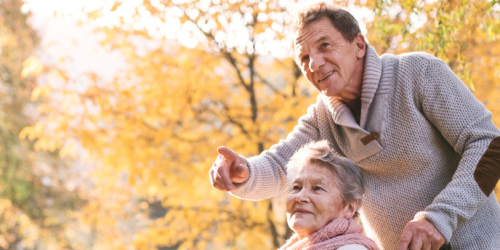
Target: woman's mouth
{"points": [[302, 211]]}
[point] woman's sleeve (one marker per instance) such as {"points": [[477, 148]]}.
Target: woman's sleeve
{"points": [[268, 170]]}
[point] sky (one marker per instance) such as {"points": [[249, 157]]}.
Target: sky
{"points": [[63, 36], [66, 32]]}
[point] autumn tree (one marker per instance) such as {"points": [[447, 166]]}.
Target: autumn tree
{"points": [[209, 73], [33, 199]]}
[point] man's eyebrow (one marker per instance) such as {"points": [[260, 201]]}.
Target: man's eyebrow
{"points": [[322, 39]]}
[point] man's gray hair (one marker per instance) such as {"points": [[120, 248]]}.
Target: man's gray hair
{"points": [[341, 19], [348, 177]]}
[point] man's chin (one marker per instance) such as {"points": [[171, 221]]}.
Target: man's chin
{"points": [[325, 92]]}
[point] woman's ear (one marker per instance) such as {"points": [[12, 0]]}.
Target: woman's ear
{"points": [[350, 209]]}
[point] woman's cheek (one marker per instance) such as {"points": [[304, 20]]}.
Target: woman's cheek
{"points": [[290, 200]]}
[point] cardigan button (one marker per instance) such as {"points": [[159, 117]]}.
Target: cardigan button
{"points": [[370, 137]]}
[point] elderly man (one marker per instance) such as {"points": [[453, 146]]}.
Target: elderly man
{"points": [[427, 148]]}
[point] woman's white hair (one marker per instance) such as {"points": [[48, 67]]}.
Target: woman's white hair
{"points": [[348, 178]]}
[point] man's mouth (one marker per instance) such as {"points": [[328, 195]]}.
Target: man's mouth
{"points": [[327, 75]]}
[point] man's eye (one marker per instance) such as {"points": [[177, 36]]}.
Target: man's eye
{"points": [[304, 58], [318, 188], [296, 187], [324, 45]]}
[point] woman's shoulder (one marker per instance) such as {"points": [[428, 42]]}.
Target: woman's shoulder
{"points": [[352, 247]]}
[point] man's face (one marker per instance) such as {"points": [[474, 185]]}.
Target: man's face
{"points": [[328, 61]]}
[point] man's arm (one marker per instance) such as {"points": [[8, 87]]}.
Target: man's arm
{"points": [[268, 170], [466, 125]]}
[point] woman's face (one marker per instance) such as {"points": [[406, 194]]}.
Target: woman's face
{"points": [[314, 200]]}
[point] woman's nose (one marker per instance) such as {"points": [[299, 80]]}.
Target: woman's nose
{"points": [[302, 196]]}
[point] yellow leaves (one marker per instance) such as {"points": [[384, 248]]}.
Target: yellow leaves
{"points": [[32, 132], [27, 132], [154, 129], [46, 145], [16, 226], [69, 150], [32, 67], [141, 242], [40, 91]]}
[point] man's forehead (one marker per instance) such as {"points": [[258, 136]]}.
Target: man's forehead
{"points": [[313, 32], [302, 35], [296, 45]]}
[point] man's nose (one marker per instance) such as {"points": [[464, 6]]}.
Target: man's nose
{"points": [[315, 62]]}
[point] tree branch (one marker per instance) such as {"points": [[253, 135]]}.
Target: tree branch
{"points": [[269, 85], [224, 52]]}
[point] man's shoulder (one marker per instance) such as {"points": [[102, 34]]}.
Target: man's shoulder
{"points": [[416, 54], [415, 63], [417, 58]]}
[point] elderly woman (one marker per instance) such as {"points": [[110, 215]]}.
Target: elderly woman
{"points": [[325, 193]]}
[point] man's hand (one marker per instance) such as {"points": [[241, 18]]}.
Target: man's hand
{"points": [[420, 234], [228, 168]]}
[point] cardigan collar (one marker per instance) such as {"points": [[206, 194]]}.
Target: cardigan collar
{"points": [[367, 138], [371, 77]]}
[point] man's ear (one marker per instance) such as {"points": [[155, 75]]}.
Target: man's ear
{"points": [[361, 46], [350, 209]]}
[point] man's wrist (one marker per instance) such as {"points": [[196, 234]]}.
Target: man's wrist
{"points": [[440, 221]]}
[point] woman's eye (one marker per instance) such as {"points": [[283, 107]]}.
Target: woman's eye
{"points": [[296, 187], [304, 58], [318, 188]]}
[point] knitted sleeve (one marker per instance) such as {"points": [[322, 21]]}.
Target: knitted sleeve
{"points": [[268, 170], [466, 125]]}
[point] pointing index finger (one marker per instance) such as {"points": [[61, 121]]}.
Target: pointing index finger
{"points": [[223, 173], [228, 154]]}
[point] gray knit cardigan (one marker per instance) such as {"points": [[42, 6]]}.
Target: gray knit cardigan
{"points": [[430, 132]]}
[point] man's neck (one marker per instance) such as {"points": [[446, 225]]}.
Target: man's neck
{"points": [[355, 107], [352, 98], [353, 90]]}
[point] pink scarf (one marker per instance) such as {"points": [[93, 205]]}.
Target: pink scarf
{"points": [[339, 232]]}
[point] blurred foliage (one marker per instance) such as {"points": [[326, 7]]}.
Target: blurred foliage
{"points": [[465, 34], [34, 203], [218, 80]]}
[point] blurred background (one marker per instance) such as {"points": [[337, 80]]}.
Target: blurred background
{"points": [[111, 110]]}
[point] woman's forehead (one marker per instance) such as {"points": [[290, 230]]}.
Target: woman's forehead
{"points": [[314, 171]]}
